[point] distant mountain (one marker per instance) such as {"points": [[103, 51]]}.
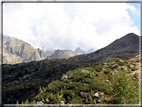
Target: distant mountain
{"points": [[79, 51], [17, 51], [61, 54], [125, 47], [90, 51], [49, 52]]}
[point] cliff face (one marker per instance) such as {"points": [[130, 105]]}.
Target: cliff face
{"points": [[17, 51], [61, 54]]}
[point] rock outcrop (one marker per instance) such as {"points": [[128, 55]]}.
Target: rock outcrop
{"points": [[18, 51]]}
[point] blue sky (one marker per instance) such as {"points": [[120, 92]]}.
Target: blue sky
{"points": [[70, 25], [134, 15]]}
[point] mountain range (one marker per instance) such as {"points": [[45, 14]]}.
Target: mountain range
{"points": [[18, 51], [41, 82]]}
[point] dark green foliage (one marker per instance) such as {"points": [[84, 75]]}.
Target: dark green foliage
{"points": [[68, 93], [79, 75], [98, 68], [124, 91], [136, 75], [106, 71], [95, 84], [121, 63], [134, 69]]}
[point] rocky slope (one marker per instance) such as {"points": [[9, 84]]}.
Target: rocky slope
{"points": [[125, 47], [61, 54], [17, 51]]}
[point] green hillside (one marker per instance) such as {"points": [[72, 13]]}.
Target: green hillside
{"points": [[112, 81]]}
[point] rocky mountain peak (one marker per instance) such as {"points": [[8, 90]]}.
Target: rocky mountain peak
{"points": [[79, 51]]}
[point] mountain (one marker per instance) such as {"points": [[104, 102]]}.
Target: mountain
{"points": [[90, 51], [74, 80], [61, 54], [79, 51], [49, 52], [125, 47], [17, 51]]}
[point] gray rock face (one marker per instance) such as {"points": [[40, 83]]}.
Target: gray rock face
{"points": [[20, 51], [61, 54]]}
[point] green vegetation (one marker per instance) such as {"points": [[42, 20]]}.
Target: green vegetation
{"points": [[98, 68], [125, 91], [68, 86]]}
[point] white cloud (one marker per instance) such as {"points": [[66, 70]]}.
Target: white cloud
{"points": [[68, 26]]}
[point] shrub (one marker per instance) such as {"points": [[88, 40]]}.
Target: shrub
{"points": [[134, 69], [98, 68], [106, 71], [121, 63]]}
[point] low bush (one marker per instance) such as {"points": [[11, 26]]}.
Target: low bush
{"points": [[106, 71], [98, 68]]}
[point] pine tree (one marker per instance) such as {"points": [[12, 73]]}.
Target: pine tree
{"points": [[91, 92], [40, 89], [17, 103], [58, 98], [90, 98], [94, 101], [81, 101], [90, 74], [65, 88], [49, 87], [125, 91], [61, 92]]}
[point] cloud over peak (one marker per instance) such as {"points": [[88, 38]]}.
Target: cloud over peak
{"points": [[68, 25]]}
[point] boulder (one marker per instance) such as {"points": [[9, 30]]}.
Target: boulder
{"points": [[64, 77], [39, 102], [124, 68], [98, 101], [68, 99], [101, 93], [62, 103], [96, 95], [113, 66], [83, 95], [107, 80], [106, 99], [84, 70], [47, 100], [70, 76], [131, 66]]}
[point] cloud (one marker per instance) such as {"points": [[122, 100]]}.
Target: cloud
{"points": [[68, 25]]}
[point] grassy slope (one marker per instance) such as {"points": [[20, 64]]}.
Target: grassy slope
{"points": [[93, 80]]}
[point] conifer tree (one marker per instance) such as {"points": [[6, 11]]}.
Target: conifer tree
{"points": [[17, 103], [81, 101], [125, 91], [90, 74], [91, 92], [40, 89]]}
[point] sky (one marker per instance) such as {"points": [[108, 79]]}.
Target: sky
{"points": [[70, 25]]}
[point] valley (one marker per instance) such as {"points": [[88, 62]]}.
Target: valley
{"points": [[78, 79]]}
